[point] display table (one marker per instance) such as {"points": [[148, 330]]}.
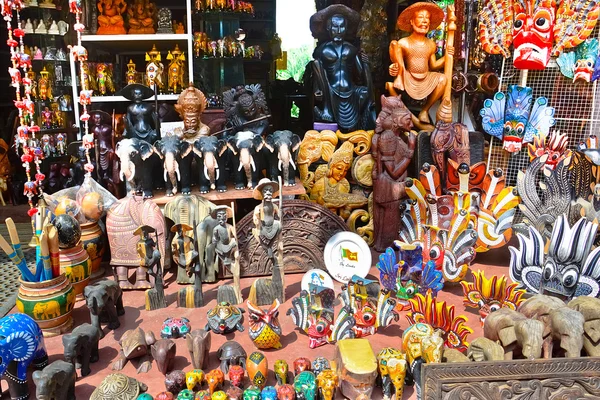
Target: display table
{"points": [[295, 342]]}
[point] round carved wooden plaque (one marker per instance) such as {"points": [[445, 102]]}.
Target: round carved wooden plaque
{"points": [[307, 227]]}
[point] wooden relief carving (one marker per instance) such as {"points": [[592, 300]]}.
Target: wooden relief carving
{"points": [[307, 227], [574, 378]]}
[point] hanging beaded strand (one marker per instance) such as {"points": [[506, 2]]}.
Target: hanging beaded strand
{"points": [[27, 128], [79, 53]]}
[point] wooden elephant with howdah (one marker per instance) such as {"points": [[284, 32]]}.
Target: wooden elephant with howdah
{"points": [[105, 302], [198, 344], [56, 381], [589, 307], [515, 331], [561, 324], [81, 347]]}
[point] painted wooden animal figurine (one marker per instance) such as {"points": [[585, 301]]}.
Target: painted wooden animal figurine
{"points": [[175, 381], [327, 383], [21, 344], [422, 345], [163, 351], [198, 344], [234, 393], [589, 307], [236, 375], [203, 395], [219, 395], [257, 367], [225, 318], [118, 386], [135, 343], [268, 393], [252, 393], [185, 394], [104, 300], [231, 353], [164, 396], [301, 364], [305, 385], [484, 349], [264, 328], [56, 381], [383, 359], [281, 369], [215, 379], [81, 347], [194, 379], [319, 365], [515, 331], [174, 327], [286, 392]]}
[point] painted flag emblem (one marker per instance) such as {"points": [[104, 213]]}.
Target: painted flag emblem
{"points": [[350, 255]]}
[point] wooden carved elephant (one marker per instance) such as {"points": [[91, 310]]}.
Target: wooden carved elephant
{"points": [[422, 345], [514, 331], [47, 310], [384, 358], [484, 349], [589, 307]]}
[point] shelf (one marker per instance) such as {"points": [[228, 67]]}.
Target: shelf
{"points": [[138, 43], [159, 37], [113, 99]]}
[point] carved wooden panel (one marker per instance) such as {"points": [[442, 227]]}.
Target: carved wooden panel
{"points": [[307, 227], [561, 378]]}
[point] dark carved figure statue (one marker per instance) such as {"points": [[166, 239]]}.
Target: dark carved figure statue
{"points": [[392, 150], [108, 162], [243, 105], [341, 98], [140, 119]]}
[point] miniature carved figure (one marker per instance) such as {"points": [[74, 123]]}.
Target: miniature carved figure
{"points": [[319, 365], [286, 392], [198, 344], [231, 353], [194, 379], [392, 152], [515, 331], [131, 76], [163, 352], [145, 249], [21, 344], [108, 166], [305, 384], [236, 375], [155, 297], [175, 327], [257, 367], [281, 369], [252, 393], [176, 70], [283, 146], [110, 20], [105, 302], [327, 383], [413, 58], [392, 369], [225, 318], [55, 381], [246, 109], [301, 364], [142, 17], [422, 345], [154, 69], [264, 328], [104, 79], [164, 21], [580, 65], [81, 347], [246, 167], [175, 382], [184, 253], [135, 343], [484, 349], [342, 99], [44, 85], [140, 119], [224, 243], [118, 387], [215, 380], [172, 150]]}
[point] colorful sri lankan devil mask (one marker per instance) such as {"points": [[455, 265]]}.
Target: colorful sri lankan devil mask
{"points": [[489, 295], [581, 64], [533, 33], [555, 148]]}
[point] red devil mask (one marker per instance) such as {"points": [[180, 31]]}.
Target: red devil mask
{"points": [[533, 33]]}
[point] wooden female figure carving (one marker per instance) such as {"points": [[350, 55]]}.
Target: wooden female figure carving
{"points": [[392, 156], [224, 241]]}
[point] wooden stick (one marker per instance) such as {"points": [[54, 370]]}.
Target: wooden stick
{"points": [[45, 256], [14, 237], [19, 262], [54, 251], [444, 112]]}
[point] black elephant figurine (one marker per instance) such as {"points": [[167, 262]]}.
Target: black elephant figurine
{"points": [[171, 149], [248, 163], [105, 301], [56, 381], [136, 165], [81, 347], [283, 147], [212, 151]]}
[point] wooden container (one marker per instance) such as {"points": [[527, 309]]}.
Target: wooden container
{"points": [[49, 303], [94, 243], [76, 265], [356, 366]]}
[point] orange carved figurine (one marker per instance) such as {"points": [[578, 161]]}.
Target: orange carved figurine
{"points": [[110, 21], [131, 76], [142, 17], [176, 70], [215, 379], [258, 368], [413, 57]]}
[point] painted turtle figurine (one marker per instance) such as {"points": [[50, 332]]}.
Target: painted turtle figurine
{"points": [[231, 353], [118, 387], [225, 318], [175, 327], [135, 343]]}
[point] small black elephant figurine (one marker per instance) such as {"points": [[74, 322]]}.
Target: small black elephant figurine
{"points": [[212, 169], [171, 149], [56, 381], [105, 301], [136, 165], [283, 147], [81, 347], [246, 146]]}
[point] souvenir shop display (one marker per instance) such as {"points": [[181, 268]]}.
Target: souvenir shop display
{"points": [[581, 64], [198, 344], [347, 255], [56, 381]]}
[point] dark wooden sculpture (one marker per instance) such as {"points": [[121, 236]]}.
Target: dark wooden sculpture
{"points": [[155, 297], [163, 352], [81, 347], [105, 301], [198, 344], [246, 109], [392, 154], [449, 140], [307, 227], [107, 160], [191, 297], [56, 381]]}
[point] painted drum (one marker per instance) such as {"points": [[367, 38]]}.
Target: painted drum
{"points": [[49, 303]]}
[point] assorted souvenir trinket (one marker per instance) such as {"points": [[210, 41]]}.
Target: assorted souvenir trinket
{"points": [[264, 328], [174, 328], [225, 318]]}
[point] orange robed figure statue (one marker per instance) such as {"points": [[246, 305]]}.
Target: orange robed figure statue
{"points": [[413, 58]]}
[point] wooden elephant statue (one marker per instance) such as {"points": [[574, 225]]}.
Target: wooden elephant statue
{"points": [[384, 358], [422, 345], [81, 347], [47, 310], [56, 381], [484, 349], [163, 351], [198, 344], [589, 307], [104, 299], [515, 331]]}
